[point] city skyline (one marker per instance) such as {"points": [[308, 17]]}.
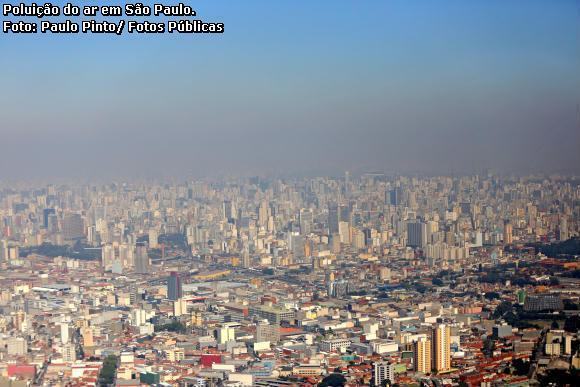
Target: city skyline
{"points": [[347, 281]]}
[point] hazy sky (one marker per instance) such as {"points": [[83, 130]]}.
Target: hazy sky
{"points": [[302, 87]]}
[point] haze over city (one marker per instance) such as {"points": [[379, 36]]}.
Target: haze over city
{"points": [[302, 89]]}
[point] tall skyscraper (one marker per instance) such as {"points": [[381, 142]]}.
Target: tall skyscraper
{"points": [[230, 212], [64, 333], [507, 233], [344, 232], [441, 338], [126, 256], [141, 260], [246, 259], [395, 196], [72, 227], [45, 216], [153, 239], [417, 235], [333, 218], [52, 223], [422, 355], [92, 236], [263, 214], [563, 233], [345, 214], [335, 243], [107, 256], [4, 255], [174, 289], [306, 220]]}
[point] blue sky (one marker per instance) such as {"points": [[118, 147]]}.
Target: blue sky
{"points": [[303, 87]]}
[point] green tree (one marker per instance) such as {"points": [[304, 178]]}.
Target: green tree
{"points": [[174, 326], [107, 375], [572, 324], [502, 309], [437, 282], [492, 295], [333, 380], [521, 367], [488, 346]]}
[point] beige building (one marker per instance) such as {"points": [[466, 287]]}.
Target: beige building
{"points": [[441, 339], [88, 339], [422, 355]]}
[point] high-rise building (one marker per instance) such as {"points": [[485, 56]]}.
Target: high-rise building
{"points": [[384, 371], [267, 332], [92, 236], [45, 216], [357, 238], [138, 317], [507, 233], [52, 223], [417, 234], [12, 252], [368, 234], [153, 239], [395, 196], [19, 320], [344, 214], [17, 346], [107, 257], [335, 243], [563, 232], [126, 256], [230, 212], [141, 260], [412, 199], [385, 274], [246, 259], [226, 333], [344, 232], [73, 227], [64, 333], [333, 218], [338, 288], [179, 307], [174, 289], [4, 254], [263, 214], [306, 220], [69, 353], [297, 245], [441, 339], [88, 337], [422, 355]]}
